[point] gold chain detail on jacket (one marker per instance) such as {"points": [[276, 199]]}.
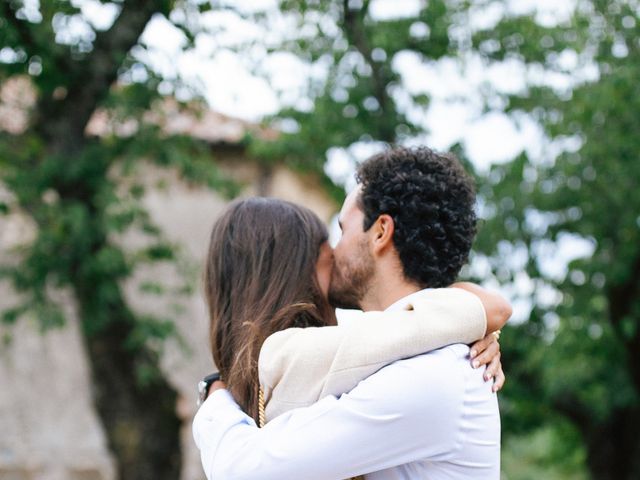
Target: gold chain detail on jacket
{"points": [[261, 415]]}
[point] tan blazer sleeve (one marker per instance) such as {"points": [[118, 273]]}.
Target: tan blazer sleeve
{"points": [[299, 366]]}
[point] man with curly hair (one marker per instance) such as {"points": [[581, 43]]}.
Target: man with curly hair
{"points": [[407, 227], [420, 200]]}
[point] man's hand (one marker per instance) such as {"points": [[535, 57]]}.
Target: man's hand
{"points": [[487, 352]]}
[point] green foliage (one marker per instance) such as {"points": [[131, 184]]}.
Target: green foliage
{"points": [[150, 329], [83, 193], [356, 101], [587, 367], [573, 366], [545, 453]]}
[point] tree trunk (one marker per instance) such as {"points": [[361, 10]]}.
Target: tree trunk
{"points": [[613, 448], [140, 421], [135, 402]]}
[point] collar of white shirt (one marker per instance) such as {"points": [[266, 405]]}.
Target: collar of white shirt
{"points": [[404, 302]]}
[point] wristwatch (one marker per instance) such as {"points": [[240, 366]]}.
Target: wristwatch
{"points": [[204, 385]]}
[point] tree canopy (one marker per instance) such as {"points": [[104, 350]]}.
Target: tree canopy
{"points": [[572, 361], [560, 227]]}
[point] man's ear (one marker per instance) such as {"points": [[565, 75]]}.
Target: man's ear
{"points": [[382, 233]]}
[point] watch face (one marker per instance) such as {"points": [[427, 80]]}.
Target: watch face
{"points": [[202, 391], [204, 384]]}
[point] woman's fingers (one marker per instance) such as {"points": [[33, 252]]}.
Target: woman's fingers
{"points": [[493, 367], [492, 349], [487, 352], [481, 345], [499, 380]]}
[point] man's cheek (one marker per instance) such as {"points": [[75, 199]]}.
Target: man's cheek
{"points": [[336, 273]]}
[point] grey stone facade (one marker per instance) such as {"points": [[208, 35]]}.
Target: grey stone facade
{"points": [[49, 429]]}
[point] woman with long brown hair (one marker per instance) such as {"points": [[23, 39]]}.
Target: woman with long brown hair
{"points": [[261, 278], [268, 270]]}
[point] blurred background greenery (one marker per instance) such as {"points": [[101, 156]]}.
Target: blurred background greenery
{"points": [[560, 228]]}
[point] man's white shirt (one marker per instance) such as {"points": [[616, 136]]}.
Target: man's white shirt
{"points": [[431, 416]]}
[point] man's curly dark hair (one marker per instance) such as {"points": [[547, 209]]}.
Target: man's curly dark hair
{"points": [[431, 200]]}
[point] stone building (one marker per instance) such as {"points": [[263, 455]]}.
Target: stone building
{"points": [[49, 429]]}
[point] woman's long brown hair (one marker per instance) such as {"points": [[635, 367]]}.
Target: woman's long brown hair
{"points": [[260, 278]]}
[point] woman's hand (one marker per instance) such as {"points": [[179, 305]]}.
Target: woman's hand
{"points": [[217, 385], [487, 352]]}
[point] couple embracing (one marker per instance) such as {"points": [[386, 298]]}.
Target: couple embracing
{"points": [[393, 392]]}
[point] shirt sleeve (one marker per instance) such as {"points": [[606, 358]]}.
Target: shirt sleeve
{"points": [[300, 366], [405, 412]]}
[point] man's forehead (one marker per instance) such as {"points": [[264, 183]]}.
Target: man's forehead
{"points": [[350, 203]]}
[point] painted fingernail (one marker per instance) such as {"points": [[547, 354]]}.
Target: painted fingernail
{"points": [[487, 377], [473, 353], [476, 364]]}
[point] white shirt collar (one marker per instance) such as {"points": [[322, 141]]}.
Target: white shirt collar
{"points": [[405, 302]]}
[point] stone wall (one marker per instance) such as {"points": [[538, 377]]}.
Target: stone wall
{"points": [[49, 429]]}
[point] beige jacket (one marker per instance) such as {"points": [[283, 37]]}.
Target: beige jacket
{"points": [[299, 366]]}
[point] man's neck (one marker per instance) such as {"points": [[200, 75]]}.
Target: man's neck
{"points": [[383, 294]]}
